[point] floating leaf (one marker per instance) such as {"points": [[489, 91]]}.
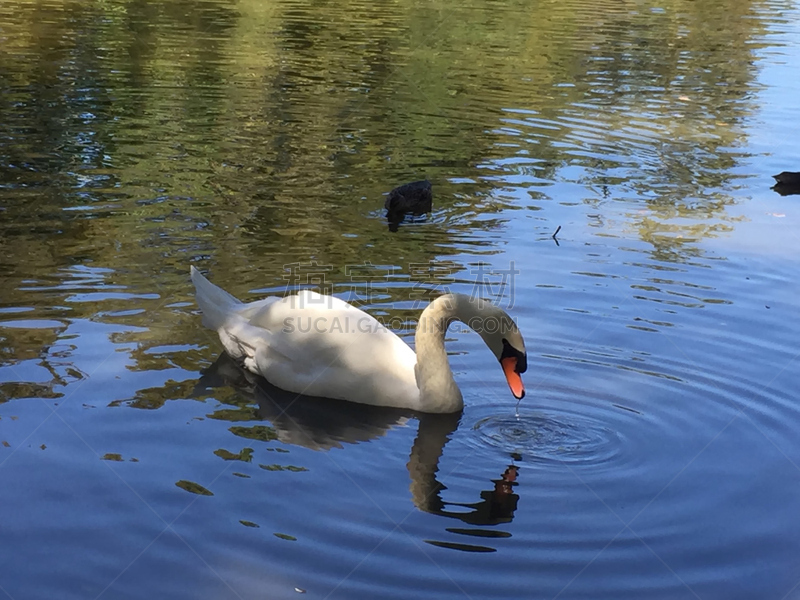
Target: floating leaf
{"points": [[112, 456], [248, 523], [242, 475], [194, 488], [285, 536]]}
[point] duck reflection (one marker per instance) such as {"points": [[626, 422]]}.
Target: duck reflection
{"points": [[786, 190], [787, 183], [321, 424]]}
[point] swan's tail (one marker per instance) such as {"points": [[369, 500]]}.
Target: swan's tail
{"points": [[217, 304]]}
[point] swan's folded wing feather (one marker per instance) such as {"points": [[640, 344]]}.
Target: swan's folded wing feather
{"points": [[248, 310], [243, 340], [321, 345]]}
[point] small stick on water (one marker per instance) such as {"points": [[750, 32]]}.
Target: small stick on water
{"points": [[555, 239]]}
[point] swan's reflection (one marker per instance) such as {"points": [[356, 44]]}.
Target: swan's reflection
{"points": [[496, 505], [320, 424]]}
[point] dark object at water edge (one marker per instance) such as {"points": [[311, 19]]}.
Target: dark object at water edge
{"points": [[788, 183], [415, 198], [788, 178]]}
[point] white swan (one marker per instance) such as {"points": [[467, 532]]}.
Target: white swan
{"points": [[321, 346]]}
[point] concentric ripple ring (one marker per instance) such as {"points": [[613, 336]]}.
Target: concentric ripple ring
{"points": [[551, 437]]}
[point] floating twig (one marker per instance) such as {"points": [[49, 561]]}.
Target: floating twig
{"points": [[555, 239]]}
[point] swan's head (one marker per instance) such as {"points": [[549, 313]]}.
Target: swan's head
{"points": [[501, 334], [514, 363]]}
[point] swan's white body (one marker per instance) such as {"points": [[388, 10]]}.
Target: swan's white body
{"points": [[321, 346]]}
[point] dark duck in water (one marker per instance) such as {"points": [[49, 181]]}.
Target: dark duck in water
{"points": [[788, 183], [413, 198]]}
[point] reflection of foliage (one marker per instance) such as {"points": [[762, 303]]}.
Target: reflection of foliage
{"points": [[140, 136], [156, 358], [262, 433], [150, 398], [245, 454], [18, 344], [248, 523], [245, 413], [194, 488], [675, 243], [11, 390], [291, 468], [249, 142]]}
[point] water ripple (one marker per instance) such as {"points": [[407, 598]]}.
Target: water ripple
{"points": [[550, 437]]}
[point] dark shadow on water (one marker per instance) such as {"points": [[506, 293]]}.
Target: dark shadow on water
{"points": [[395, 219], [322, 424], [307, 421]]}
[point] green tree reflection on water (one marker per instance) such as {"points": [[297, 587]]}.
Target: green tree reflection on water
{"points": [[137, 136]]}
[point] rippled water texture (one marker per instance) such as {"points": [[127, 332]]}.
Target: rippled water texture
{"points": [[655, 454], [551, 438]]}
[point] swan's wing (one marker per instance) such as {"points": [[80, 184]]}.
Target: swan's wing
{"points": [[322, 346], [248, 310]]}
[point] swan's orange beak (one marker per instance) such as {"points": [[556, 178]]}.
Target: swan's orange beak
{"points": [[514, 380]]}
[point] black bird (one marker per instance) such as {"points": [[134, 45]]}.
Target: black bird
{"points": [[788, 178], [788, 183], [415, 198]]}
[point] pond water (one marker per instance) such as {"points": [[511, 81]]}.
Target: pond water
{"points": [[656, 452]]}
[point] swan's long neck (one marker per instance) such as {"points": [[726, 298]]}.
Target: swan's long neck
{"points": [[438, 390]]}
